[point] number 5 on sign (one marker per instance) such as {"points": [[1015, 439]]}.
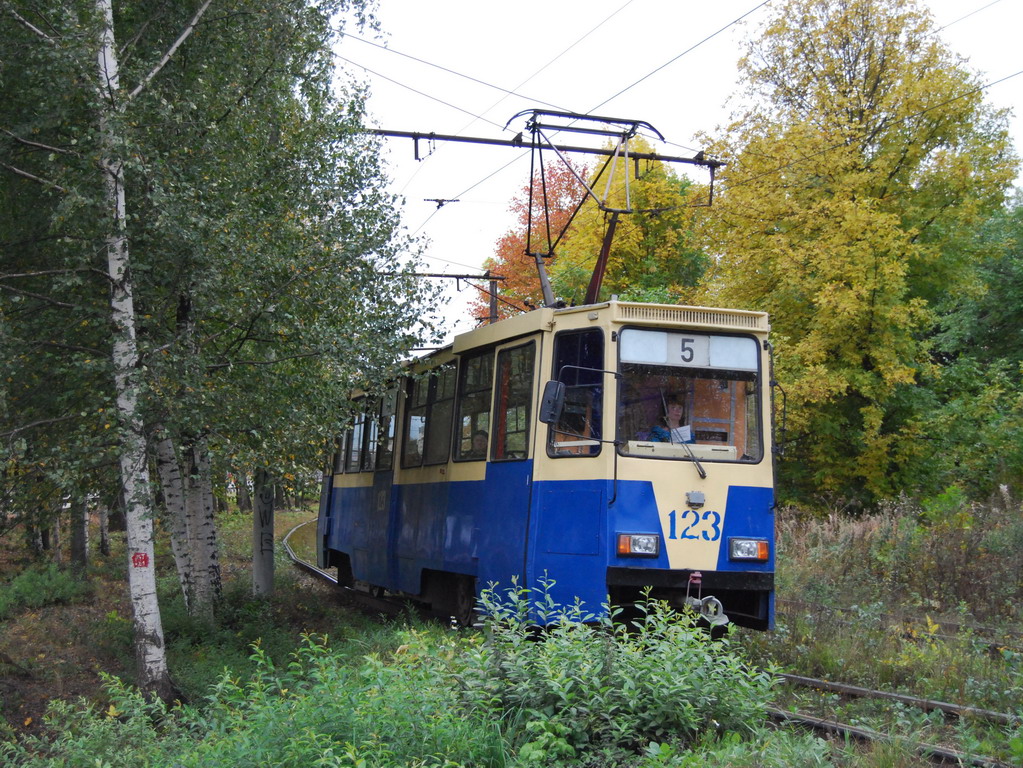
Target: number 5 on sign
{"points": [[689, 349]]}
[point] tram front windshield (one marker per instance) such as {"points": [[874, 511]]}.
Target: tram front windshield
{"points": [[685, 395]]}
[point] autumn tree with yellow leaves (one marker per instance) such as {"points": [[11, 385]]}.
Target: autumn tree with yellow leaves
{"points": [[855, 175]]}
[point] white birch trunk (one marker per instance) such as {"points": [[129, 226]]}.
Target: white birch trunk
{"points": [[263, 535], [202, 529], [173, 487], [153, 675]]}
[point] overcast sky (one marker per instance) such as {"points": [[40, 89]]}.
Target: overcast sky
{"points": [[671, 63]]}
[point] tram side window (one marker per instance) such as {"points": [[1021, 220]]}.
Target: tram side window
{"points": [[475, 384], [438, 425], [428, 418], [415, 423], [579, 363], [354, 463], [338, 463], [512, 406], [385, 445], [371, 436]]}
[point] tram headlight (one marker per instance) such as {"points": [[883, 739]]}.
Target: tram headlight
{"points": [[639, 544], [749, 549]]}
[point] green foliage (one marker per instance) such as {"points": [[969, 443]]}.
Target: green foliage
{"points": [[583, 688], [765, 749], [322, 708], [40, 586]]}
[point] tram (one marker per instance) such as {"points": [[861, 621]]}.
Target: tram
{"points": [[604, 451]]}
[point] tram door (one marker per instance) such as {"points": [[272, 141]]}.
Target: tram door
{"points": [[570, 494], [370, 509], [503, 506]]}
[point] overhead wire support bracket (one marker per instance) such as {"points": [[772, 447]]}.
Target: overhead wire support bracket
{"points": [[542, 125]]}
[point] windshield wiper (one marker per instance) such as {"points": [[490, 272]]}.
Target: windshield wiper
{"points": [[696, 461]]}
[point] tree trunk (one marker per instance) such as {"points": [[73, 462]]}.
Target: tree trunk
{"points": [[263, 535], [104, 530], [153, 674], [56, 552], [202, 528], [242, 492], [172, 484], [80, 538]]}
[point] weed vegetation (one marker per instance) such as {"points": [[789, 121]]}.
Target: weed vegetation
{"points": [[40, 586], [921, 597], [413, 694]]}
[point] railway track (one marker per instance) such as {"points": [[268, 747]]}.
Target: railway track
{"points": [[374, 603], [936, 754]]}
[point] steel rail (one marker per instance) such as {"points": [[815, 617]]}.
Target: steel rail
{"points": [[390, 607], [927, 705], [931, 752]]}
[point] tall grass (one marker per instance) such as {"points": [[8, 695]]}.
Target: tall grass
{"points": [[422, 695]]}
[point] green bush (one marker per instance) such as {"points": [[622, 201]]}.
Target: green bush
{"points": [[41, 586], [320, 709], [592, 685], [580, 693]]}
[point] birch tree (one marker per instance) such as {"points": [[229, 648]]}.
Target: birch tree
{"points": [[153, 673], [245, 259]]}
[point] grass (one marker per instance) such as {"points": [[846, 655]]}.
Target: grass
{"points": [[302, 679]]}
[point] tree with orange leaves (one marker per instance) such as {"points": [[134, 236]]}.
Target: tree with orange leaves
{"points": [[513, 260]]}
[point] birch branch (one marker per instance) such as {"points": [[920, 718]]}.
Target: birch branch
{"points": [[37, 145], [41, 273], [186, 32], [30, 26], [40, 423], [39, 296], [31, 177]]}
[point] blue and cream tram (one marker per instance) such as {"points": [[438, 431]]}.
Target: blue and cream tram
{"points": [[608, 448]]}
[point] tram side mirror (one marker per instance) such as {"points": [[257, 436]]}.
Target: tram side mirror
{"points": [[553, 402]]}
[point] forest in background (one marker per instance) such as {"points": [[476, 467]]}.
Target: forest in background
{"points": [[200, 262]]}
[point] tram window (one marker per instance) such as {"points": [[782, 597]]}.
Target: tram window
{"points": [[371, 437], [579, 363], [697, 389], [339, 454], [438, 424], [354, 463], [474, 388], [514, 395], [428, 418], [385, 445], [415, 423]]}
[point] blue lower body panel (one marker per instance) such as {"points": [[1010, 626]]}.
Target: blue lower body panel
{"points": [[506, 528]]}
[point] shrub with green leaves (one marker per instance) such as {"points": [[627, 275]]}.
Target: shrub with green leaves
{"points": [[37, 587], [324, 708], [591, 684]]}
